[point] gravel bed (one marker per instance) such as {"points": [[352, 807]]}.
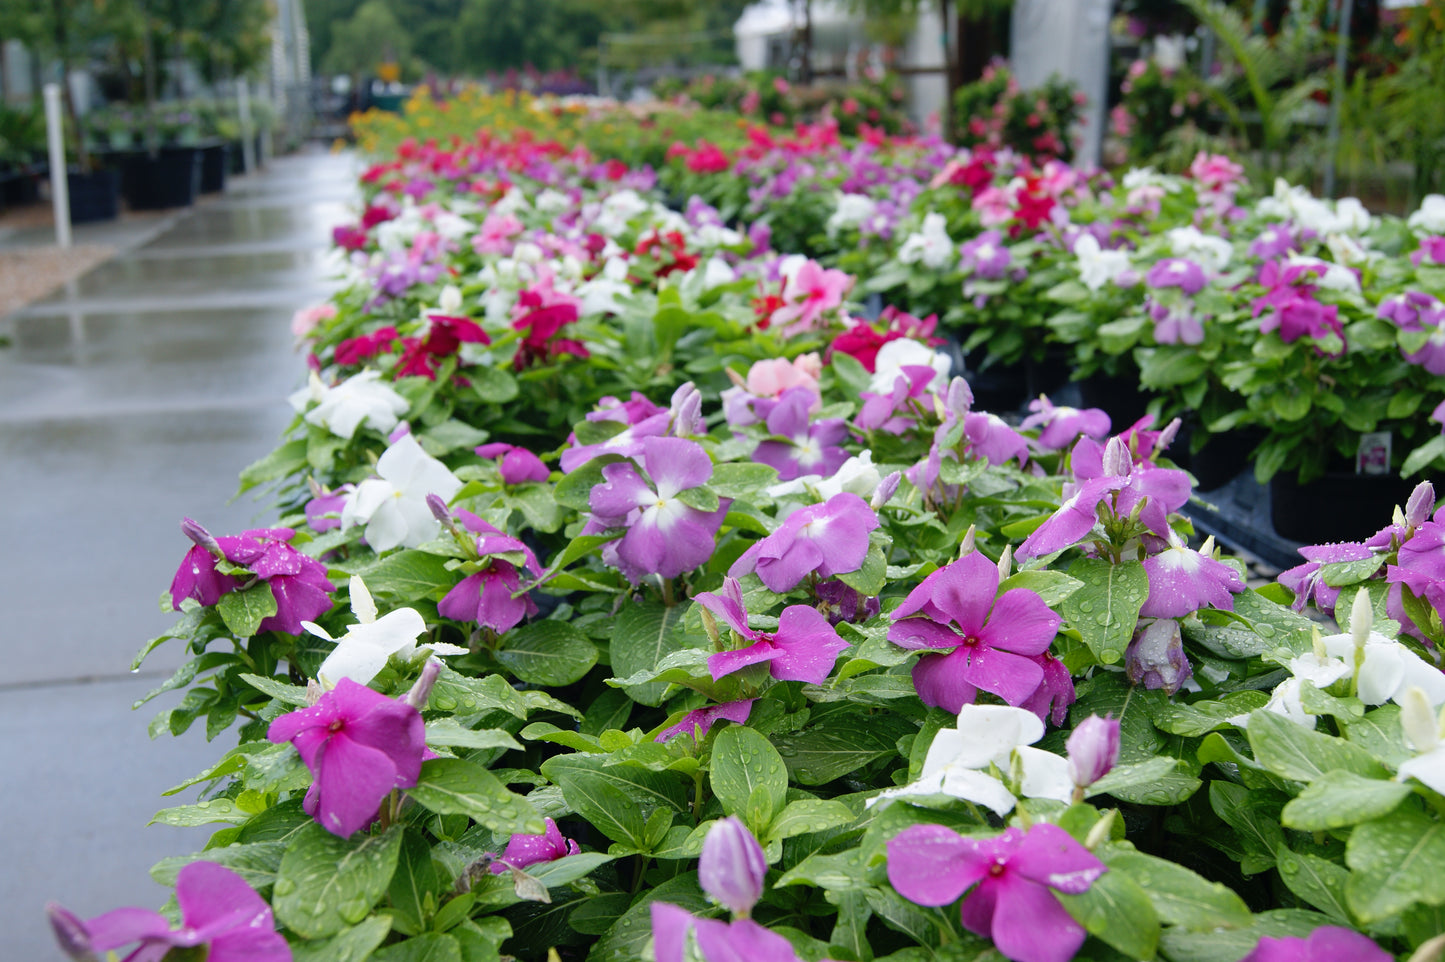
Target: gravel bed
{"points": [[29, 274]]}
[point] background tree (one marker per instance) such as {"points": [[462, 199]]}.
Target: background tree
{"points": [[370, 37]]}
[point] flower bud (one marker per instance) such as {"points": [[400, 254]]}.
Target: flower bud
{"points": [[732, 866], [201, 537], [1093, 749], [1362, 617], [420, 690], [686, 411], [885, 491], [1167, 435], [439, 509], [966, 546], [1117, 463], [1421, 504], [402, 429], [960, 397], [71, 933], [1155, 657], [450, 300], [1006, 562], [1417, 718]]}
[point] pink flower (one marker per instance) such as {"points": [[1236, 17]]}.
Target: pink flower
{"points": [[813, 292], [517, 465], [359, 745], [1215, 171], [304, 321], [991, 643], [495, 236], [1329, 943], [698, 721], [803, 648], [823, 540], [525, 850], [1011, 876], [218, 911], [770, 378]]}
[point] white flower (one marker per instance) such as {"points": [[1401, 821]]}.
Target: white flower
{"points": [[932, 246], [616, 210], [716, 235], [789, 266], [716, 273], [364, 649], [1097, 266], [393, 506], [1334, 277], [599, 295], [1430, 218], [1388, 668], [1347, 250], [552, 201], [449, 302], [360, 399], [1423, 732], [857, 475], [1351, 215], [511, 202], [852, 210], [1213, 253], [905, 352], [989, 735], [1149, 177]]}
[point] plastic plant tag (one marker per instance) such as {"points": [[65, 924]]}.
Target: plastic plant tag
{"points": [[1373, 454]]}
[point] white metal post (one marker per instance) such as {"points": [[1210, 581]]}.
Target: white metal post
{"points": [[59, 185]]}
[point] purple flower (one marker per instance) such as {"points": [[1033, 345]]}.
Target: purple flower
{"points": [[1062, 425], [518, 465], [993, 641], [741, 940], [1410, 311], [700, 720], [732, 866], [1010, 874], [298, 583], [1177, 272], [323, 512], [844, 603], [1093, 749], [489, 597], [823, 540], [798, 447], [359, 745], [1155, 657], [628, 443], [664, 536], [218, 910], [1055, 694], [1182, 580], [1328, 943], [990, 438], [524, 850], [986, 256], [1272, 242], [879, 411], [802, 649], [1176, 324]]}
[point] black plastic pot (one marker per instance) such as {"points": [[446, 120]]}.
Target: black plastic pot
{"points": [[18, 188], [94, 196], [1119, 397], [1337, 507], [215, 162], [999, 387], [1220, 460], [170, 179]]}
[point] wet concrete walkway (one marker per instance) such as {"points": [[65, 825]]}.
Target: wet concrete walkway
{"points": [[132, 399]]}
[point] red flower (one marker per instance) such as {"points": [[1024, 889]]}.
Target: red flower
{"points": [[357, 349], [862, 343]]}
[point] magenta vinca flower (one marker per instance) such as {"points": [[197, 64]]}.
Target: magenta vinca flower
{"points": [[218, 911], [1011, 876], [1328, 943], [524, 850], [1182, 580], [741, 940], [1177, 272], [823, 539], [732, 866], [1093, 749], [698, 721], [797, 447], [359, 745], [812, 292], [802, 649], [1062, 425], [516, 465], [488, 597], [1155, 657], [992, 642], [664, 535], [298, 583]]}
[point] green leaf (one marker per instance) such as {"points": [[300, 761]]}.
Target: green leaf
{"points": [[1105, 610], [407, 575], [1171, 367], [288, 459], [616, 800], [350, 945], [1292, 751], [537, 505], [1423, 456], [1181, 897], [625, 941], [808, 815], [1254, 819], [840, 745], [1117, 910], [1231, 945], [564, 871], [869, 579], [1338, 799], [243, 611], [450, 733], [327, 883], [1052, 586], [1395, 862], [431, 947], [493, 384], [575, 489], [744, 763], [256, 862], [448, 436], [416, 884], [735, 479], [1318, 881], [451, 786], [1202, 717], [455, 692], [703, 499], [277, 689], [836, 873], [547, 653], [202, 813], [641, 637], [1342, 574]]}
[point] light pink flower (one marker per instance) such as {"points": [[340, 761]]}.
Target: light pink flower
{"points": [[771, 378], [304, 321]]}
